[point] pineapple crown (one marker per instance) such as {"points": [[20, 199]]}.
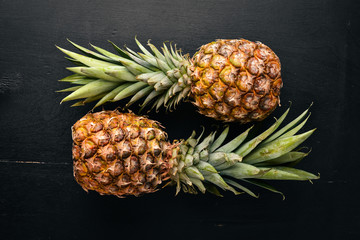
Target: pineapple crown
{"points": [[207, 164], [160, 76]]}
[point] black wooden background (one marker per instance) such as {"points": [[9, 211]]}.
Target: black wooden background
{"points": [[318, 43]]}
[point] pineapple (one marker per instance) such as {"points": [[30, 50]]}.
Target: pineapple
{"points": [[228, 80], [124, 154]]}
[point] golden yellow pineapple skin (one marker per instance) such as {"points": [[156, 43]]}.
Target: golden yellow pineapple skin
{"points": [[123, 154], [236, 80], [120, 153]]}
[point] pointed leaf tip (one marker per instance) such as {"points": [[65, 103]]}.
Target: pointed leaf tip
{"points": [[61, 49]]}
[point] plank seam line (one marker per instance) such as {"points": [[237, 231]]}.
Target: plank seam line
{"points": [[32, 162]]}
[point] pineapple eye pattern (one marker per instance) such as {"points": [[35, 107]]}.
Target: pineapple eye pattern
{"points": [[132, 164], [250, 70]]}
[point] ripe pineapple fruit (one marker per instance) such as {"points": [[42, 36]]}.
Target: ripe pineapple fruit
{"points": [[229, 80], [124, 154]]}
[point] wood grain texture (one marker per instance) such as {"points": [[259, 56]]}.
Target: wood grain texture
{"points": [[318, 43]]}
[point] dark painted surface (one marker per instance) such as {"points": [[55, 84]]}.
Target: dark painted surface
{"points": [[318, 43]]}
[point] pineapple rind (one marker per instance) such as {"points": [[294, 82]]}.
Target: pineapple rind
{"points": [[124, 154], [228, 80]]}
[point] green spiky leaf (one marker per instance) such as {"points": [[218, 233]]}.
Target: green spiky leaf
{"points": [[204, 159]]}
